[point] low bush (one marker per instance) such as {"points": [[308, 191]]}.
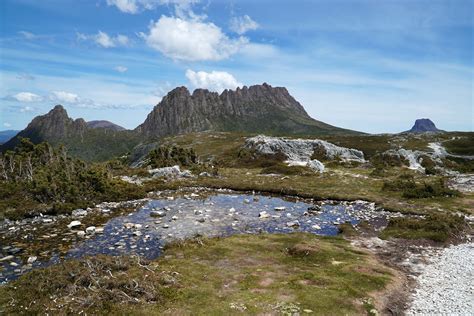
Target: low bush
{"points": [[438, 227], [410, 189], [166, 156]]}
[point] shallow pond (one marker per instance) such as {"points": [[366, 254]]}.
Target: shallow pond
{"points": [[174, 217]]}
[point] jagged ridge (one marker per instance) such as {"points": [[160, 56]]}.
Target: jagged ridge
{"points": [[259, 108]]}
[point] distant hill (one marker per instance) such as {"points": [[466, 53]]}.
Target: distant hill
{"points": [[255, 109], [7, 135], [423, 126], [84, 142], [105, 124]]}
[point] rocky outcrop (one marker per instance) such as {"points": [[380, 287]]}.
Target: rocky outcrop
{"points": [[303, 152], [259, 108], [54, 125], [423, 126], [105, 124]]}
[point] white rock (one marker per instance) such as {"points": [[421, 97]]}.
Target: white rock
{"points": [[298, 152], [74, 224], [90, 230], [32, 259], [263, 214], [280, 208], [81, 233]]}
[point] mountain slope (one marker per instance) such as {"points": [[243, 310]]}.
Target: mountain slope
{"points": [[93, 144], [255, 109]]}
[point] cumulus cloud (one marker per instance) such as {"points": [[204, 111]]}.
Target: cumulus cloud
{"points": [[26, 97], [121, 68], [191, 40], [136, 6], [105, 40], [6, 124], [214, 81], [243, 24], [63, 96]]}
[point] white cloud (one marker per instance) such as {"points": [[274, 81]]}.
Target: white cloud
{"points": [[63, 96], [214, 81], [191, 40], [6, 124], [243, 24], [26, 109], [127, 6], [136, 6], [26, 97], [105, 40], [121, 68], [27, 35]]}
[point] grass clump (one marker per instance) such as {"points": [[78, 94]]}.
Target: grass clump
{"points": [[438, 227], [253, 274]]}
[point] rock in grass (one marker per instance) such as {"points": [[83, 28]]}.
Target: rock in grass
{"points": [[263, 214], [280, 208], [74, 224], [32, 259], [90, 230]]}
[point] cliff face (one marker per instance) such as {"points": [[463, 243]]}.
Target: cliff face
{"points": [[259, 108]]}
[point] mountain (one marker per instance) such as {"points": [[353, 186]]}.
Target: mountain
{"points": [[105, 124], [51, 127], [255, 109], [7, 135], [423, 125], [83, 141]]}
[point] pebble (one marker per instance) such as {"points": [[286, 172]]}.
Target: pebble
{"points": [[445, 285]]}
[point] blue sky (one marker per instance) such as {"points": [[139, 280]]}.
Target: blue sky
{"points": [[368, 65]]}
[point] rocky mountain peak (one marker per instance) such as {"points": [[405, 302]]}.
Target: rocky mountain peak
{"points": [[258, 108], [423, 125]]}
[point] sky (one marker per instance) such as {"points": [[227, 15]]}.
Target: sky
{"points": [[368, 65]]}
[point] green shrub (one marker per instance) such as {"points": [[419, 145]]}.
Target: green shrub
{"points": [[438, 227], [166, 156]]}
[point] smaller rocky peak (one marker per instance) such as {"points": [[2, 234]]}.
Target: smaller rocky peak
{"points": [[179, 92], [58, 111], [423, 125]]}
